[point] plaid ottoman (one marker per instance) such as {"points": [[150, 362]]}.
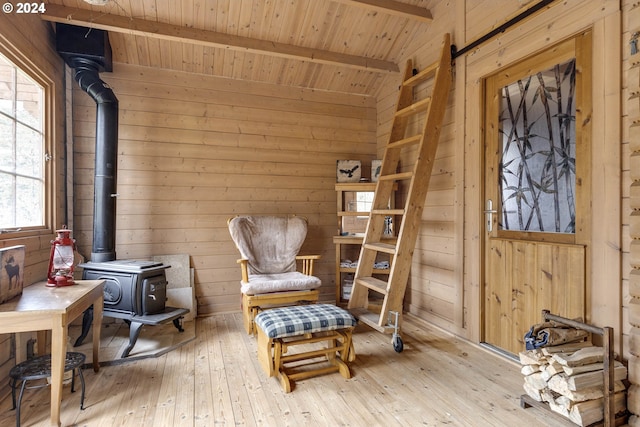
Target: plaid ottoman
{"points": [[281, 328], [303, 319]]}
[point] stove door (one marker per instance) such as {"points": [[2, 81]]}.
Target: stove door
{"points": [[154, 294], [119, 290]]}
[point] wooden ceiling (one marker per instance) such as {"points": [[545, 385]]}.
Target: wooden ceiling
{"points": [[337, 45]]}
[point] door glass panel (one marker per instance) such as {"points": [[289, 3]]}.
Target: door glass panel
{"points": [[538, 151]]}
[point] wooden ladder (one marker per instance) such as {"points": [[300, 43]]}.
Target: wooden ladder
{"points": [[419, 149]]}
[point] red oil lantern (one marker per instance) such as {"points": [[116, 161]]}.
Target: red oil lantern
{"points": [[61, 261]]}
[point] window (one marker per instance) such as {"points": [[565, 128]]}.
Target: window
{"points": [[364, 199], [537, 168], [22, 148]]}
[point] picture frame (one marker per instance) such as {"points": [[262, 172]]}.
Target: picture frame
{"points": [[348, 170], [376, 165], [11, 272]]}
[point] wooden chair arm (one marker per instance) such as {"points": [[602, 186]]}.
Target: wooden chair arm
{"points": [[244, 268], [307, 263]]}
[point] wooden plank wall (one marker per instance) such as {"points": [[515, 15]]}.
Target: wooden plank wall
{"points": [[631, 201], [31, 41], [195, 150]]}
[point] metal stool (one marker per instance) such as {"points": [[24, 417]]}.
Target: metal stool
{"points": [[39, 368]]}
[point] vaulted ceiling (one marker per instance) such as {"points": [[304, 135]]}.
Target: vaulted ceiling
{"points": [[337, 45]]}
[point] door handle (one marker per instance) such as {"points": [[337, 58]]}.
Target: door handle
{"points": [[488, 214]]}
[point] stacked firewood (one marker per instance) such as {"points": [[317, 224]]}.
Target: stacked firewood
{"points": [[569, 378]]}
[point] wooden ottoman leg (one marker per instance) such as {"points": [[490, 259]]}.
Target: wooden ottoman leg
{"points": [[342, 368], [265, 353], [285, 381], [352, 353], [344, 352], [348, 354]]}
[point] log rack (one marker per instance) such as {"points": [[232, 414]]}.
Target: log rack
{"points": [[609, 383]]}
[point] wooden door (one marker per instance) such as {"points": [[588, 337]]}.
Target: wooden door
{"points": [[536, 187]]}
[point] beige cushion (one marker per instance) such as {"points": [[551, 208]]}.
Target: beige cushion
{"points": [[291, 281]]}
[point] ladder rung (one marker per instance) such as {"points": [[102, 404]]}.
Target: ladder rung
{"points": [[377, 285], [414, 108], [371, 319], [387, 212], [381, 247], [352, 213], [396, 176], [404, 142], [423, 75]]}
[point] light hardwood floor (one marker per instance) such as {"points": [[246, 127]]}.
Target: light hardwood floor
{"points": [[215, 380]]}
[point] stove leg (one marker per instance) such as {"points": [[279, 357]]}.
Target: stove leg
{"points": [[87, 320], [134, 332], [178, 324]]}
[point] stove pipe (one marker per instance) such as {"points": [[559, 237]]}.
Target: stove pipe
{"points": [[105, 174], [88, 52]]}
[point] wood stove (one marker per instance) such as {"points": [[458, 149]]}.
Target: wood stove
{"points": [[131, 287], [135, 291]]}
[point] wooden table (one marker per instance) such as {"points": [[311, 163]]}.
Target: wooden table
{"points": [[41, 308]]}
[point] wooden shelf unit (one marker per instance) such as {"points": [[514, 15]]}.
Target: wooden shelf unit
{"points": [[351, 242]]}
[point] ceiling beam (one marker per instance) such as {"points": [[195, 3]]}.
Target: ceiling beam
{"points": [[392, 7], [162, 31]]}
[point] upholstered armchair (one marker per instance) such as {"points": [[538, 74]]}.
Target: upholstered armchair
{"points": [[269, 247]]}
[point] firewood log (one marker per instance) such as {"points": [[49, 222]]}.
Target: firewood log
{"points": [[529, 369], [532, 357], [566, 348], [560, 385], [585, 356], [575, 370], [532, 392], [593, 379], [536, 381], [551, 369], [592, 411]]}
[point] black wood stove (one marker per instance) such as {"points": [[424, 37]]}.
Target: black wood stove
{"points": [[135, 291], [131, 287]]}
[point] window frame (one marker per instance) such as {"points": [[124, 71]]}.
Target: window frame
{"points": [[48, 149], [578, 47]]}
